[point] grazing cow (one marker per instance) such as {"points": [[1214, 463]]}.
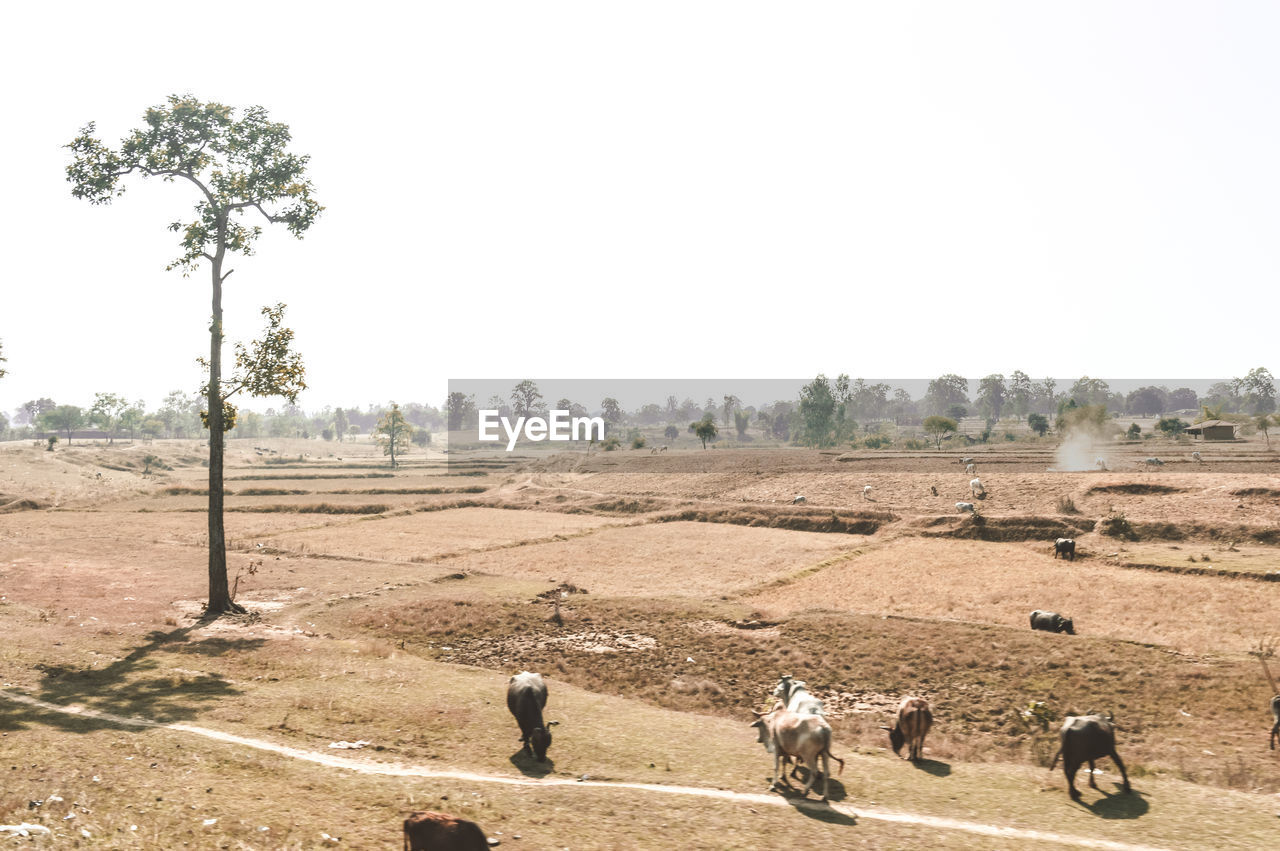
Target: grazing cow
{"points": [[1101, 464], [428, 831], [971, 468], [1085, 738], [912, 725], [1052, 622], [964, 506], [795, 696], [526, 698], [1275, 713], [1196, 455], [866, 491], [976, 488], [966, 460], [805, 737], [1065, 547], [799, 498]]}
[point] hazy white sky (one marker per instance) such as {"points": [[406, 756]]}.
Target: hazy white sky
{"points": [[655, 189]]}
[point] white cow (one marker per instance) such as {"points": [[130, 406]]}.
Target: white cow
{"points": [[964, 506], [866, 491], [976, 488]]}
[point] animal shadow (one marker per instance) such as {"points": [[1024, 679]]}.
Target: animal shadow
{"points": [[835, 791], [1116, 805], [933, 766], [529, 765]]}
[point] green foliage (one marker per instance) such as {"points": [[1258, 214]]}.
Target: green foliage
{"points": [[63, 418], [741, 420], [1134, 432], [705, 429], [671, 432], [914, 445], [3, 359], [525, 398], [421, 438], [945, 392], [1117, 525], [611, 443], [877, 441], [52, 440], [1170, 426], [393, 433], [1038, 423], [461, 409], [817, 411], [326, 434], [636, 438], [612, 410], [939, 428]]}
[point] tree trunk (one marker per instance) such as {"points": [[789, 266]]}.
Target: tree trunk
{"points": [[220, 601]]}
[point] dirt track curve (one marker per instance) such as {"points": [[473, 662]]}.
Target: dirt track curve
{"points": [[393, 770]]}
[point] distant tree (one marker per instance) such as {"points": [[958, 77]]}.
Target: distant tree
{"points": [[421, 438], [1146, 401], [1038, 423], [1090, 391], [64, 418], [3, 359], [705, 429], [354, 430], [1045, 397], [459, 408], [957, 412], [1134, 432], [132, 417], [106, 413], [152, 427], [612, 410], [29, 412], [671, 433], [1264, 422], [1021, 393], [731, 404], [817, 411], [1257, 391], [945, 392], [741, 421], [672, 408], [636, 439], [991, 396], [4, 426], [525, 399], [339, 424], [939, 428], [326, 434], [1170, 426], [689, 410], [649, 414], [564, 405], [1183, 399], [393, 433], [237, 166], [903, 407], [1089, 418]]}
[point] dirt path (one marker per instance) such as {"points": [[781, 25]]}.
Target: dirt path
{"points": [[393, 770]]}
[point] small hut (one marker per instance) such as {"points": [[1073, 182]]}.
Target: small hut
{"points": [[1213, 430]]}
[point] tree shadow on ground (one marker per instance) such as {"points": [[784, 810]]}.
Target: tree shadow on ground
{"points": [[529, 765], [933, 766], [1117, 805], [135, 686]]}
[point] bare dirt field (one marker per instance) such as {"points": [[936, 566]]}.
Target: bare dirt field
{"points": [[662, 596]]}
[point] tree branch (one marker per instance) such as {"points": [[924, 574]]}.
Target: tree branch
{"points": [[257, 205]]}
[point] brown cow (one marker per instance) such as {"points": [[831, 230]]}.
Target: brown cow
{"points": [[427, 831], [912, 725], [805, 737]]}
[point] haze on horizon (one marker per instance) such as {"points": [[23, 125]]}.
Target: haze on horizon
{"points": [[616, 192]]}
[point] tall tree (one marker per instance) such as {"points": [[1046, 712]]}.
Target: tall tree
{"points": [[1257, 391], [63, 418], [237, 166], [817, 409], [1090, 391], [340, 424], [107, 411], [612, 410], [393, 433], [1021, 392], [939, 428], [705, 429], [29, 412], [945, 392], [991, 395], [525, 398], [731, 404], [460, 407]]}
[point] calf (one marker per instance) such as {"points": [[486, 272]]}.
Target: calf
{"points": [[912, 725], [1065, 547], [1052, 622], [1085, 738], [427, 831], [805, 737], [526, 698], [964, 506]]}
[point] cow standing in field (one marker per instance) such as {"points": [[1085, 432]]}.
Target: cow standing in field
{"points": [[428, 831], [526, 698], [1085, 738], [912, 725], [1065, 547], [1052, 622], [795, 696], [805, 737]]}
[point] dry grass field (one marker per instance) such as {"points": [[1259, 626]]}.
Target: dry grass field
{"points": [[662, 596]]}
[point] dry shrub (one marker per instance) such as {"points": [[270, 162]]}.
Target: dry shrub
{"points": [[1117, 525], [1067, 505]]}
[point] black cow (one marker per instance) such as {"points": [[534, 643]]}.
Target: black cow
{"points": [[1275, 713], [526, 698], [1065, 547], [1085, 738], [1052, 622]]}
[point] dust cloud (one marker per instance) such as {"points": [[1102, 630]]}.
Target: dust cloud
{"points": [[1080, 452]]}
